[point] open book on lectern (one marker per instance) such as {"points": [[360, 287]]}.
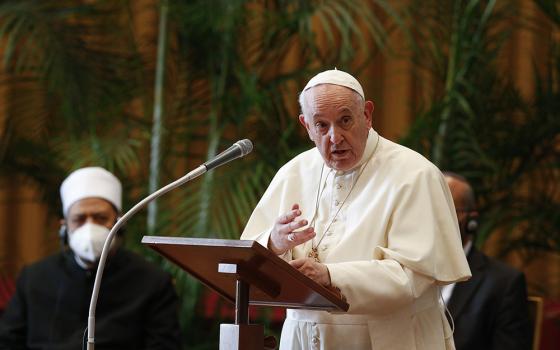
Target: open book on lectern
{"points": [[273, 282]]}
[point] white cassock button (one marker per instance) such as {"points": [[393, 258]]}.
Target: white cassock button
{"points": [[338, 186], [336, 202], [315, 340]]}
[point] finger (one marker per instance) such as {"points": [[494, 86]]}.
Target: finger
{"points": [[308, 231], [295, 206], [294, 225], [303, 235], [291, 226], [298, 237], [289, 217]]}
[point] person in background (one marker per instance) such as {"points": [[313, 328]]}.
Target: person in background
{"points": [[137, 306], [490, 311], [368, 217]]}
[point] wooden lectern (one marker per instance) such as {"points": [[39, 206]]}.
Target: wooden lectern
{"points": [[245, 273]]}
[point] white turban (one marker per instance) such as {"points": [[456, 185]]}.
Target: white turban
{"points": [[91, 182], [336, 77]]}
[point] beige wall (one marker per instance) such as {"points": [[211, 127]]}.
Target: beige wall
{"points": [[27, 231]]}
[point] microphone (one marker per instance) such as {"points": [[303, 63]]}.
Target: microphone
{"points": [[239, 149]]}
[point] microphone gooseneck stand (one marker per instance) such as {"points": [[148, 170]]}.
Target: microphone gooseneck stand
{"points": [[238, 149]]}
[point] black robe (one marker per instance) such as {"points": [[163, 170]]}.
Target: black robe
{"points": [[137, 306]]}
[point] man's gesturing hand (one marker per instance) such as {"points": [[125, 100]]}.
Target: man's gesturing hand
{"points": [[284, 235]]}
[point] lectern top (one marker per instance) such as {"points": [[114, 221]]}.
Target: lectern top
{"points": [[273, 281]]}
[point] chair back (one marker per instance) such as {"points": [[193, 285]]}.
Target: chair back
{"points": [[536, 317]]}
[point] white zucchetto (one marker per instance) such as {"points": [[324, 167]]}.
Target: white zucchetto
{"points": [[90, 182], [336, 77]]}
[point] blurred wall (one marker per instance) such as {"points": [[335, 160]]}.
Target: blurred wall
{"points": [[28, 232]]}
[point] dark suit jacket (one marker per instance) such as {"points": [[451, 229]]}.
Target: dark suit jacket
{"points": [[490, 310], [137, 306]]}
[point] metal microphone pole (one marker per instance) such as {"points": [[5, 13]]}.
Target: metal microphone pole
{"points": [[91, 318], [239, 149]]}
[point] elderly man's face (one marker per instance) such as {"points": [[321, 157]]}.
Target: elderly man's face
{"points": [[94, 210], [337, 121]]}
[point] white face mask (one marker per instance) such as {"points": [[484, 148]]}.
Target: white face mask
{"points": [[87, 241]]}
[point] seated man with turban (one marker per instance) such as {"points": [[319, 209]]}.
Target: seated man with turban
{"points": [[137, 306]]}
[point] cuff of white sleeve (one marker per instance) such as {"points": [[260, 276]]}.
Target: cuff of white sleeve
{"points": [[331, 268], [263, 239]]}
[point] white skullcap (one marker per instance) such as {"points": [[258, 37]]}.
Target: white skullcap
{"points": [[91, 182], [336, 77]]}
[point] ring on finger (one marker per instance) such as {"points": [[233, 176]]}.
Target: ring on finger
{"points": [[291, 237]]}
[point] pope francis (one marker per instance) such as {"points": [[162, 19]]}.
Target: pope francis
{"points": [[367, 216]]}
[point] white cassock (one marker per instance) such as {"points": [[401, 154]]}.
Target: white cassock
{"points": [[392, 240]]}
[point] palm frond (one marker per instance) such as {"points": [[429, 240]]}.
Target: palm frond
{"points": [[480, 126]]}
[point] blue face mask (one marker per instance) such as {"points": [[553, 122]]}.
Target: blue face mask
{"points": [[87, 241]]}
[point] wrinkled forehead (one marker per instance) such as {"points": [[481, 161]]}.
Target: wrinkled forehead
{"points": [[329, 96]]}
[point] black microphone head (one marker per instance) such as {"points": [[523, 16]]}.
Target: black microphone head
{"points": [[246, 146], [238, 149]]}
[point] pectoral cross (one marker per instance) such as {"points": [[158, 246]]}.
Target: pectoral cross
{"points": [[313, 253]]}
